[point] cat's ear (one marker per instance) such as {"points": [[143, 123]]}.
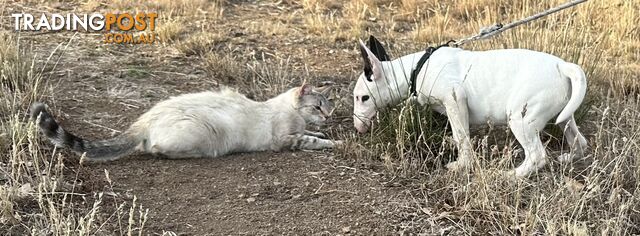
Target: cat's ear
{"points": [[304, 90]]}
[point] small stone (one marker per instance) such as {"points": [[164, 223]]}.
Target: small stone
{"points": [[346, 229], [250, 200]]}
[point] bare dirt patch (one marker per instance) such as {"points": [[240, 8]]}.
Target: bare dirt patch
{"points": [[98, 90], [259, 47], [262, 193]]}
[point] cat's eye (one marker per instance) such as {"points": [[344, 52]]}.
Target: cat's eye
{"points": [[317, 107], [365, 98]]}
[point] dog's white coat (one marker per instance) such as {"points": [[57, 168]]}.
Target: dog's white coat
{"points": [[524, 89]]}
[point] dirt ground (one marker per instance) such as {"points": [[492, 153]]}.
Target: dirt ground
{"points": [[247, 194], [258, 194], [98, 90]]}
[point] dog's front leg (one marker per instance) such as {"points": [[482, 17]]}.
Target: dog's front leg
{"points": [[458, 115]]}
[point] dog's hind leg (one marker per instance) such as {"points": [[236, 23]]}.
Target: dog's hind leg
{"points": [[458, 115], [576, 141], [527, 129]]}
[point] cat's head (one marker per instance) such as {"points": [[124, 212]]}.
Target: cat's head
{"points": [[313, 104]]}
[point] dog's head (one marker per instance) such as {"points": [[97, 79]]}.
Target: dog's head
{"points": [[372, 89]]}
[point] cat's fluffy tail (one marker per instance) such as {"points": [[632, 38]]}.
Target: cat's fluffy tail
{"points": [[99, 150]]}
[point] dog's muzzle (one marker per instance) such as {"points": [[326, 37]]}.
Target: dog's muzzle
{"points": [[362, 124]]}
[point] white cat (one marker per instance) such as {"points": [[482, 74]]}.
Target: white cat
{"points": [[208, 124]]}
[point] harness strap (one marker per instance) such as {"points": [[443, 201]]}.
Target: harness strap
{"points": [[423, 59]]}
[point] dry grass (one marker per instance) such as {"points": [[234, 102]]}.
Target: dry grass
{"points": [[170, 31], [213, 9], [199, 43], [269, 28], [348, 24], [434, 29], [272, 77], [317, 6], [37, 195], [259, 80], [597, 195]]}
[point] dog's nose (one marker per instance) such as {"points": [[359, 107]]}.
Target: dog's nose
{"points": [[362, 128], [361, 125]]}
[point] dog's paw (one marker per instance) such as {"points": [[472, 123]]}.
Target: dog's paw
{"points": [[458, 166], [523, 172], [565, 158], [513, 175]]}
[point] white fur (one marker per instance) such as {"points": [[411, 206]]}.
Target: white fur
{"points": [[211, 124], [524, 89]]}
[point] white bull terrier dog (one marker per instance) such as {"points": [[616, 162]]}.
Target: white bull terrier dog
{"points": [[521, 88]]}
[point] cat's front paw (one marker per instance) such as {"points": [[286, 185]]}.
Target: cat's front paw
{"points": [[316, 134], [321, 135], [338, 143]]}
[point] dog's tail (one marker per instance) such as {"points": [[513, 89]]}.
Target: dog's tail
{"points": [[578, 81], [100, 150]]}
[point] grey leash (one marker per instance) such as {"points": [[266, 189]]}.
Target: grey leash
{"points": [[490, 31]]}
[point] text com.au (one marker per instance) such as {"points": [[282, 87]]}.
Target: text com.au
{"points": [[118, 28]]}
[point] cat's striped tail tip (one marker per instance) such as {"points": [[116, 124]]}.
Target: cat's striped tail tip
{"points": [[36, 109]]}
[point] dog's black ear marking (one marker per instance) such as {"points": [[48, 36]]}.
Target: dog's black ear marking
{"points": [[377, 49], [368, 69]]}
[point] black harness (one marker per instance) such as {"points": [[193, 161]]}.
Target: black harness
{"points": [[423, 59]]}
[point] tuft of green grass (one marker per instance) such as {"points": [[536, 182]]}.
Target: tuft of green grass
{"points": [[409, 138]]}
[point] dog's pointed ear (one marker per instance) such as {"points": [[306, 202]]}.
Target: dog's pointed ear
{"points": [[371, 62], [377, 49]]}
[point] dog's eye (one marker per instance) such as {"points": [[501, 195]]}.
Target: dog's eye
{"points": [[365, 98]]}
